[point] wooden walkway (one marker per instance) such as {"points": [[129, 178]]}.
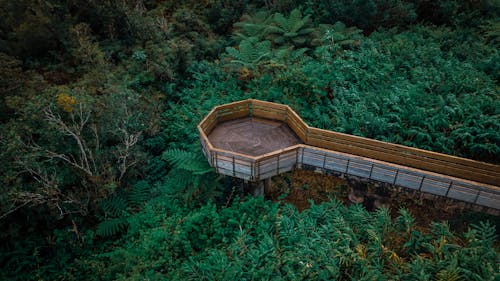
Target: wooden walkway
{"points": [[255, 140]]}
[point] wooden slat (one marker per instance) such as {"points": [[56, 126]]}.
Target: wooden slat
{"points": [[233, 115], [268, 114], [460, 191], [489, 200], [297, 127], [234, 104], [266, 104]]}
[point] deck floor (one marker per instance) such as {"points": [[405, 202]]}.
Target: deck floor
{"points": [[253, 136]]}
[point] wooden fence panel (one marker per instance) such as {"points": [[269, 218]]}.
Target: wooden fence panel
{"points": [[435, 186], [383, 174], [488, 199], [463, 192], [360, 169], [409, 179]]}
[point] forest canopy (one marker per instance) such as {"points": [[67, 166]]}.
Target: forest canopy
{"points": [[101, 173]]}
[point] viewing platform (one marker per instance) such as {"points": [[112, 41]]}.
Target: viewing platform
{"points": [[254, 140]]}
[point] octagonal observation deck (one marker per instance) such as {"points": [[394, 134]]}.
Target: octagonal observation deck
{"points": [[255, 140]]}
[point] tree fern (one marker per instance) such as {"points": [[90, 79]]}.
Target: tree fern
{"points": [[294, 30], [250, 52], [252, 26]]}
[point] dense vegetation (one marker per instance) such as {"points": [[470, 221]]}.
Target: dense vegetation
{"points": [[101, 173]]}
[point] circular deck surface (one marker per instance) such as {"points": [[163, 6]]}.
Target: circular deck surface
{"points": [[252, 136]]}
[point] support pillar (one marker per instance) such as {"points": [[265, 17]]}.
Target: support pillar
{"points": [[259, 188]]}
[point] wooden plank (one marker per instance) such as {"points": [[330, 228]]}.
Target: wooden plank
{"points": [[435, 186], [230, 173], [490, 200], [266, 104], [208, 122], [301, 133], [267, 175], [383, 174], [338, 165], [359, 169], [209, 115], [234, 104], [273, 163], [222, 112], [408, 180], [462, 192], [234, 115], [290, 149], [227, 152], [268, 114], [240, 162], [228, 165], [293, 115]]}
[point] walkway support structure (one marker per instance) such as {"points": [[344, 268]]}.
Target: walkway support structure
{"points": [[422, 170]]}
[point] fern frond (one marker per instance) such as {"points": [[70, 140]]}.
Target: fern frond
{"points": [[114, 205], [485, 233], [177, 179], [178, 158], [111, 227], [139, 193]]}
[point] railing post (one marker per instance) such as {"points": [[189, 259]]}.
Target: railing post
{"points": [[278, 165], [395, 177], [347, 166], [324, 163], [421, 183], [234, 167], [477, 196], [252, 167], [449, 187], [371, 171]]}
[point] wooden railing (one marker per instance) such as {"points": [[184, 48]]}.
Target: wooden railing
{"points": [[422, 170]]}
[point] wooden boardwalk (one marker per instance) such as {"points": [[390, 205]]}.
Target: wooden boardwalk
{"points": [[255, 140]]}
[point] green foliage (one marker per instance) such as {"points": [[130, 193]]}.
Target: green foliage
{"points": [[251, 26], [116, 209], [114, 206], [250, 52], [191, 176], [102, 177], [111, 227], [342, 35], [139, 193], [259, 240], [294, 30]]}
